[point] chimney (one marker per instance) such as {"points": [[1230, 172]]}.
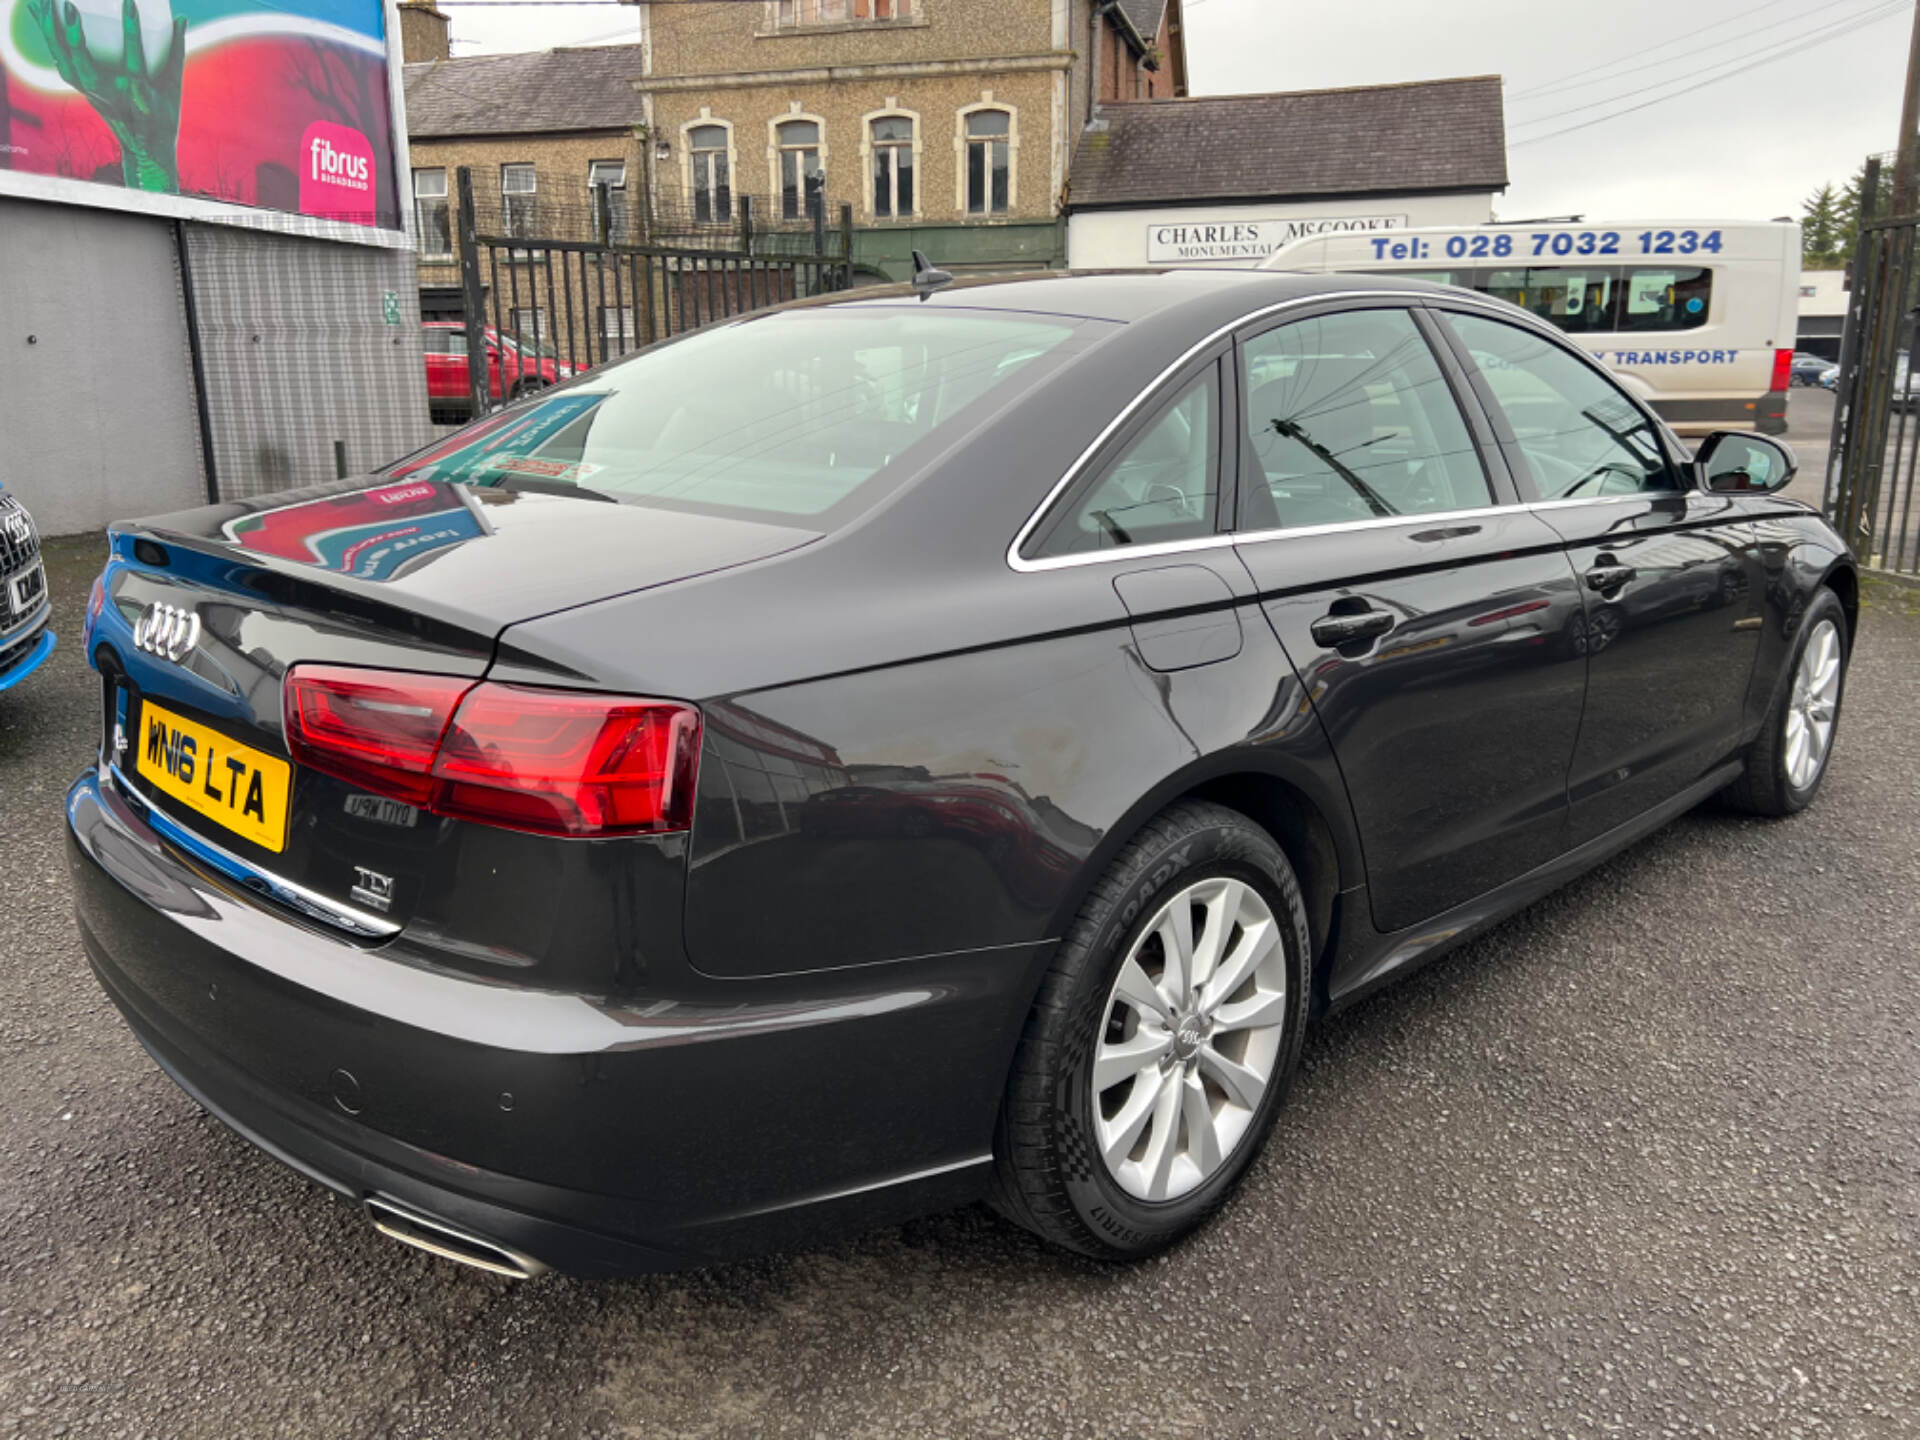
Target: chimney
{"points": [[423, 32]]}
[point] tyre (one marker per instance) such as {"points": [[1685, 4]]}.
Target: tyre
{"points": [[1786, 764], [1163, 1040]]}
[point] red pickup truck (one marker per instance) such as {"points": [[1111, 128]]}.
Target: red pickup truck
{"points": [[527, 366]]}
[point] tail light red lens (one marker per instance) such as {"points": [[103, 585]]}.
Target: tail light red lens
{"points": [[557, 762], [376, 728], [569, 764], [1782, 370]]}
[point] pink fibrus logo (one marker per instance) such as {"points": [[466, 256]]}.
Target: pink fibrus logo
{"points": [[336, 173]]}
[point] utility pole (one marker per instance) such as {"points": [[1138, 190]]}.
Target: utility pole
{"points": [[1903, 164]]}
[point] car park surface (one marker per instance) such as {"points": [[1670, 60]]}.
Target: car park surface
{"points": [[1642, 1157]]}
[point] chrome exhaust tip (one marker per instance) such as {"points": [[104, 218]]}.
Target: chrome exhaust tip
{"points": [[449, 1242]]}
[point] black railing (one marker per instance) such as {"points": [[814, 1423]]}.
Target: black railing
{"points": [[1873, 465], [548, 294]]}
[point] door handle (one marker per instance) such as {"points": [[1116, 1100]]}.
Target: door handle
{"points": [[1333, 631], [1609, 577]]}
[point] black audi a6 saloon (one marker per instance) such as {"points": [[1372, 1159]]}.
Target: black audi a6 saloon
{"points": [[913, 747]]}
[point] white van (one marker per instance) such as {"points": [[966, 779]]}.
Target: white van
{"points": [[1697, 319]]}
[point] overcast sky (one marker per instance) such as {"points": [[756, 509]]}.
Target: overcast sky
{"points": [[1774, 97]]}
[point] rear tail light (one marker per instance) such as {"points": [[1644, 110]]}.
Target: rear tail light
{"points": [[556, 762], [377, 728], [1782, 370]]}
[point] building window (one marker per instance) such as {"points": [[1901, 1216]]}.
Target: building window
{"points": [[434, 234], [616, 329], [712, 185], [802, 180], [989, 162], [518, 202], [892, 137], [790, 14], [531, 332], [609, 177]]}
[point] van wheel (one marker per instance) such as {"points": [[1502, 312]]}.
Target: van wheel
{"points": [[1164, 1038]]}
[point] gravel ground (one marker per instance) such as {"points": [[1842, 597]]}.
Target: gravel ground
{"points": [[1641, 1162]]}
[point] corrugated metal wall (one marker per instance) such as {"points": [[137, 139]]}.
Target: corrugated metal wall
{"points": [[300, 352], [96, 399]]}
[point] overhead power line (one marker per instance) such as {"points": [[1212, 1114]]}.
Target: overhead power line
{"points": [[1873, 11], [1595, 74], [1742, 65]]}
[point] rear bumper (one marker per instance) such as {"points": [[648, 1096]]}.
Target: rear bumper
{"points": [[589, 1136]]}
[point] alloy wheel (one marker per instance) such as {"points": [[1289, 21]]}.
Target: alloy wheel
{"points": [[1813, 706], [1190, 1039]]}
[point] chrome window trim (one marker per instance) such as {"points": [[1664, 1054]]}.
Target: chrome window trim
{"points": [[1377, 522], [1148, 392], [1493, 309]]}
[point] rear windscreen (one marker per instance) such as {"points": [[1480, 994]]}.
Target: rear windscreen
{"points": [[787, 415]]}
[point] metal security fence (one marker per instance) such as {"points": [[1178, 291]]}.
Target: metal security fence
{"points": [[1874, 461], [551, 293]]}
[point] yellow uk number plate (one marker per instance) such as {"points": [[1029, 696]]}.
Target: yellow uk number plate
{"points": [[231, 784]]}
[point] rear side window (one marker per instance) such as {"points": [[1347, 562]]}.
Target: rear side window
{"points": [[1667, 297], [1164, 485], [1578, 433], [1349, 417]]}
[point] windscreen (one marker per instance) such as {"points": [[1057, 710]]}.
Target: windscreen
{"points": [[788, 415]]}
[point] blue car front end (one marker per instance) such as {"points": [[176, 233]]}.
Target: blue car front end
{"points": [[25, 608]]}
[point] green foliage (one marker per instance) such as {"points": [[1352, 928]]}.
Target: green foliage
{"points": [[1830, 223], [1820, 222]]}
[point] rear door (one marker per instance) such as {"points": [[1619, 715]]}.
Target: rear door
{"points": [[1434, 620], [1672, 617]]}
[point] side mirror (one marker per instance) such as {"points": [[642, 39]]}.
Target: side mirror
{"points": [[1736, 462]]}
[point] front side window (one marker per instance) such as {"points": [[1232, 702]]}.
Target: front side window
{"points": [[712, 185], [519, 200], [786, 416], [892, 166], [1667, 297], [989, 162], [1577, 301], [607, 190], [1578, 433], [1164, 486], [446, 340], [430, 212], [801, 176], [1349, 417]]}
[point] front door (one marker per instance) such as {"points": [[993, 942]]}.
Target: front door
{"points": [[1435, 623], [1672, 619]]}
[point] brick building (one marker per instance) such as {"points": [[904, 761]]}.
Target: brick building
{"points": [[946, 124], [552, 138]]}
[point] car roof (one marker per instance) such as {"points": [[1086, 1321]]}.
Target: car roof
{"points": [[1122, 296]]}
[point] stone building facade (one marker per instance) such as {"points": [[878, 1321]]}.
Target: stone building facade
{"points": [[947, 125]]}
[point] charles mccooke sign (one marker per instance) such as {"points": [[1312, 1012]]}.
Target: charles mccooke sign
{"points": [[1175, 242]]}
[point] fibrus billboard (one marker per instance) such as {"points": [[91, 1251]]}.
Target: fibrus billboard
{"points": [[282, 107]]}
